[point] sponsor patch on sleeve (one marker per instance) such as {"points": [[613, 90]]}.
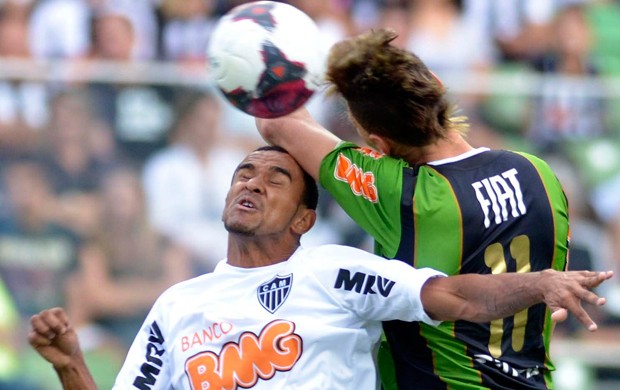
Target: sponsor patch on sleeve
{"points": [[361, 183], [363, 283], [153, 363]]}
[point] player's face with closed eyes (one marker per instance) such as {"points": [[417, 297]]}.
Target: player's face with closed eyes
{"points": [[265, 195]]}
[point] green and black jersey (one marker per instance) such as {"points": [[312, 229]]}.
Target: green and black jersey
{"points": [[484, 212]]}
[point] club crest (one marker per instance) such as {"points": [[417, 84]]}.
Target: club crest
{"points": [[273, 293]]}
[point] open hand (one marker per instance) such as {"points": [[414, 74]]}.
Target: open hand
{"points": [[564, 292]]}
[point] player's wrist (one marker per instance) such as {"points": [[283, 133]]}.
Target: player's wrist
{"points": [[543, 283], [64, 363], [71, 366], [69, 359]]}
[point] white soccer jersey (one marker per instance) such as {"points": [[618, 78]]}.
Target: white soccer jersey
{"points": [[312, 322]]}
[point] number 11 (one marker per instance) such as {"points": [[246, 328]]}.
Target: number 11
{"points": [[494, 259]]}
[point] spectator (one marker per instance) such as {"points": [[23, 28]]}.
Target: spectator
{"points": [[440, 34], [443, 38], [23, 103], [565, 109], [126, 264], [139, 114], [185, 183], [71, 164], [143, 21], [394, 16], [519, 28], [186, 29], [59, 29], [333, 23], [36, 255]]}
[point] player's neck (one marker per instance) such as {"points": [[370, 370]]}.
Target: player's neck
{"points": [[249, 252], [451, 146]]}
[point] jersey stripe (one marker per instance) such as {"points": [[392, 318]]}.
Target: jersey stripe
{"points": [[557, 199], [559, 205], [441, 246], [440, 249]]}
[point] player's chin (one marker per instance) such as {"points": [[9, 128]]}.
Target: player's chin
{"points": [[239, 226]]}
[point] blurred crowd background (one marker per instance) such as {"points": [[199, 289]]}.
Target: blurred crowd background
{"points": [[116, 152]]}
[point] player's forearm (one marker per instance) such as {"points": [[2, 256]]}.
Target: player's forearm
{"points": [[305, 139], [76, 376], [481, 298], [503, 295]]}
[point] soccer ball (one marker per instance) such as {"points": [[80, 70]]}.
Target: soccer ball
{"points": [[266, 58]]}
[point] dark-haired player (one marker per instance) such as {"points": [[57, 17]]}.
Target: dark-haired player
{"points": [[274, 315]]}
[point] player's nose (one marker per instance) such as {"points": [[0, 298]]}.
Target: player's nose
{"points": [[255, 184]]}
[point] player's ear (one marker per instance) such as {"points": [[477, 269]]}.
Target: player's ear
{"points": [[304, 220], [381, 144]]}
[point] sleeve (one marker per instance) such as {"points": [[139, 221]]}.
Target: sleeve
{"points": [[368, 186], [372, 287], [147, 365]]}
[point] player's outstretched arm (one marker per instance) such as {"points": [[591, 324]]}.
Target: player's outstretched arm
{"points": [[482, 298], [304, 138], [53, 337]]}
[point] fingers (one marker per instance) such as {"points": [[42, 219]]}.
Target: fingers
{"points": [[559, 315], [38, 340], [590, 297], [583, 317], [572, 298], [49, 323], [603, 276], [594, 279]]}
